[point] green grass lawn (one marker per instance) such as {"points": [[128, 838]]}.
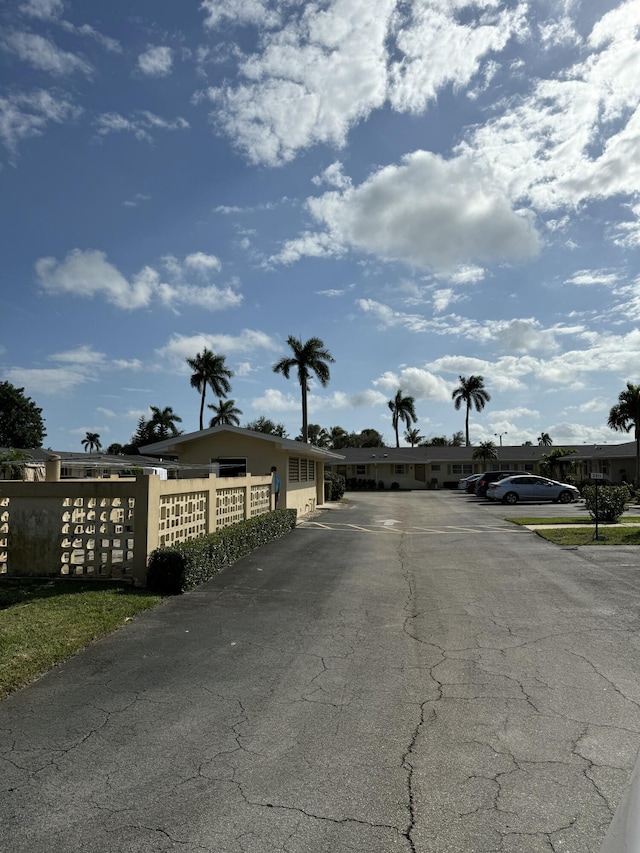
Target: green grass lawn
{"points": [[607, 533], [43, 623]]}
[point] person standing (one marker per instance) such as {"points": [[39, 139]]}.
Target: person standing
{"points": [[276, 486]]}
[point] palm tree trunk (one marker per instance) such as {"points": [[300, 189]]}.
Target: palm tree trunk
{"points": [[637, 480], [204, 391], [305, 425], [466, 424]]}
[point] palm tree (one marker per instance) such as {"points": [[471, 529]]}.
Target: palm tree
{"points": [[402, 409], [91, 442], [226, 412], [318, 436], [485, 451], [162, 423], [310, 357], [471, 392], [545, 439], [338, 437], [412, 436], [625, 416], [209, 370]]}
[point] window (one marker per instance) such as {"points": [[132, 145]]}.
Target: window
{"points": [[398, 469], [294, 469], [435, 467], [231, 466], [528, 466], [361, 470], [467, 468]]}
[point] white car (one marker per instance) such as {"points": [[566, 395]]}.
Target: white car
{"points": [[464, 482], [529, 487]]}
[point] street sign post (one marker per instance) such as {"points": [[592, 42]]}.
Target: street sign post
{"points": [[596, 476]]}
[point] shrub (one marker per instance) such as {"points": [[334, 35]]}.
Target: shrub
{"points": [[611, 501], [180, 567], [336, 485], [395, 485]]}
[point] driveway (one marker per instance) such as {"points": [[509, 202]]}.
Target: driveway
{"points": [[408, 673]]}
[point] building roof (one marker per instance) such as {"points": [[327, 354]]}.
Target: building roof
{"points": [[508, 453], [171, 445]]}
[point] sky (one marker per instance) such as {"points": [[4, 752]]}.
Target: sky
{"points": [[435, 188]]}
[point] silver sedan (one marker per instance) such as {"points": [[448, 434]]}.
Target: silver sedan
{"points": [[528, 487]]}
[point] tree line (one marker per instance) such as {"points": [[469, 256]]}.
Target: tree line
{"points": [[22, 425]]}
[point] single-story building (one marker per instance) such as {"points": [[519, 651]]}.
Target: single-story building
{"points": [[441, 467], [230, 451]]}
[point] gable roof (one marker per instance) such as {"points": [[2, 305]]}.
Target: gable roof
{"points": [[171, 445]]}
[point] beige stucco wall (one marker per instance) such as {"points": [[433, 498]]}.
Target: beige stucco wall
{"points": [[260, 455]]}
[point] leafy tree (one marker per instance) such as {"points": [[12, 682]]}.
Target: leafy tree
{"points": [[162, 423], [550, 462], [545, 439], [13, 462], [311, 357], [338, 437], [91, 442], [116, 449], [209, 370], [141, 436], [471, 392], [267, 426], [486, 451], [412, 436], [456, 440], [226, 413], [527, 443], [625, 416], [402, 409], [436, 441], [21, 423], [368, 438], [317, 436]]}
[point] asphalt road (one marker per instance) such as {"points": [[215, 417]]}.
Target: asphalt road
{"points": [[407, 674]]}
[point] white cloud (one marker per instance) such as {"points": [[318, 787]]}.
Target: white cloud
{"points": [[519, 412], [416, 382], [597, 404], [88, 274], [275, 401], [438, 50], [591, 277], [43, 9], [156, 61], [428, 212], [203, 263], [570, 138], [314, 78], [23, 116], [44, 55], [83, 355], [240, 12], [388, 317], [140, 124], [249, 340], [49, 380]]}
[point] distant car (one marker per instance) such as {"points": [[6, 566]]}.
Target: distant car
{"points": [[489, 477], [465, 482], [528, 487]]}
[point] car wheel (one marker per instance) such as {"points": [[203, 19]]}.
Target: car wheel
{"points": [[565, 497], [510, 498]]}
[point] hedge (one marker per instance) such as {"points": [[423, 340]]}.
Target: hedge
{"points": [[336, 485], [611, 501], [177, 568]]}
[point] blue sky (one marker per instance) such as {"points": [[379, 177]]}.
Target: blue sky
{"points": [[434, 189]]}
